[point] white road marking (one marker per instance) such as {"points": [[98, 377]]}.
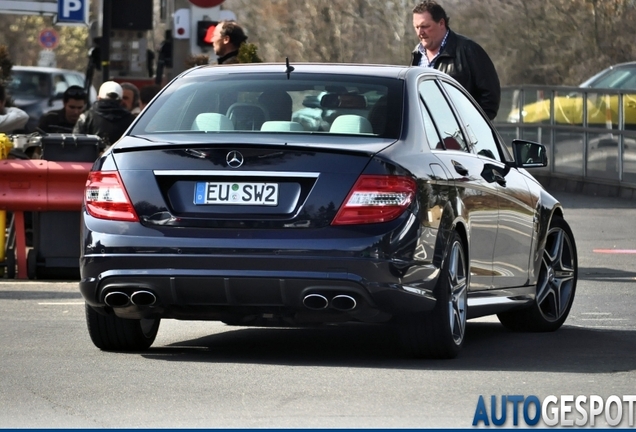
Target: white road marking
{"points": [[61, 303]]}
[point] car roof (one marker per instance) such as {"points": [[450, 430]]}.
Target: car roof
{"points": [[387, 71], [43, 69], [625, 64], [594, 78]]}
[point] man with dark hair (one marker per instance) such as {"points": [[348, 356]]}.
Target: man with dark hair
{"points": [[456, 55], [64, 119], [227, 39], [11, 118], [107, 117]]}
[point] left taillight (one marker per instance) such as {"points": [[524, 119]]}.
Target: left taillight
{"points": [[376, 198], [106, 198]]}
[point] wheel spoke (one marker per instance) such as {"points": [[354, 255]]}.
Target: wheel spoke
{"points": [[556, 249]]}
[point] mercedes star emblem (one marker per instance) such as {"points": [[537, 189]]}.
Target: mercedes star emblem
{"points": [[234, 159]]}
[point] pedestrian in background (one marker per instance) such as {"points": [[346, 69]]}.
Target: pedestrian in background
{"points": [[226, 40], [456, 55], [11, 118], [146, 94], [64, 119], [107, 117], [130, 99]]}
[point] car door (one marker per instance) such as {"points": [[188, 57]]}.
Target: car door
{"points": [[478, 196], [516, 208]]}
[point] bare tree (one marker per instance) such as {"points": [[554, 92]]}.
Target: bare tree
{"points": [[530, 41]]}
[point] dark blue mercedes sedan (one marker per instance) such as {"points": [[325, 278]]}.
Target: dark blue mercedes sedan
{"points": [[309, 194]]}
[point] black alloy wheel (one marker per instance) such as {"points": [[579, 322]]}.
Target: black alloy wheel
{"points": [[440, 333], [556, 284]]}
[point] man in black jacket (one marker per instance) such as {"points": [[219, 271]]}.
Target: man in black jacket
{"points": [[107, 117], [454, 54], [63, 120]]}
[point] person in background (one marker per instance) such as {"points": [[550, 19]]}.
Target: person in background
{"points": [[11, 118], [130, 99], [146, 94], [107, 117], [226, 40], [456, 55], [64, 119]]}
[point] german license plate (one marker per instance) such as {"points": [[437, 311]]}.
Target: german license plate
{"points": [[236, 193]]}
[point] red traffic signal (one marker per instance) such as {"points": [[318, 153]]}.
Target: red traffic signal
{"points": [[205, 31]]}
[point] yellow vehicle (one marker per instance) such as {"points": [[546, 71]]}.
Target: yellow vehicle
{"points": [[602, 108]]}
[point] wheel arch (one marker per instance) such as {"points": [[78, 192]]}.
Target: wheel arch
{"points": [[452, 220], [547, 208]]}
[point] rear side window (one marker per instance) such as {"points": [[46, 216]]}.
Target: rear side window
{"points": [[480, 134], [308, 104], [452, 136]]}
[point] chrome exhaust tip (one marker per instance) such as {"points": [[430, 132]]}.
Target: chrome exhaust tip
{"points": [[143, 298], [343, 302], [315, 302], [117, 299]]}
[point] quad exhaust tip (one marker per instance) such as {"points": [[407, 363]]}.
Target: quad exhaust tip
{"points": [[343, 302], [340, 302], [143, 298], [315, 302], [118, 299]]}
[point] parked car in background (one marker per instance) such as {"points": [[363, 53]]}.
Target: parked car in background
{"points": [[601, 109], [393, 201], [37, 90]]}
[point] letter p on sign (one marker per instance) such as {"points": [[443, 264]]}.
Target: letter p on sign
{"points": [[71, 6]]}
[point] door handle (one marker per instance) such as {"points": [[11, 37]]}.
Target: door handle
{"points": [[459, 168]]}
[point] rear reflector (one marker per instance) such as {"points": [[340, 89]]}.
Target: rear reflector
{"points": [[106, 198], [376, 198]]}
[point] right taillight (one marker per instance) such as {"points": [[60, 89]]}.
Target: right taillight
{"points": [[106, 198], [376, 198]]}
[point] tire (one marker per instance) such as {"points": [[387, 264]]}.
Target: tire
{"points": [[111, 333], [556, 284], [440, 333]]}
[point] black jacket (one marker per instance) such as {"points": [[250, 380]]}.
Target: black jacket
{"points": [[106, 118], [229, 58], [55, 122], [467, 62]]}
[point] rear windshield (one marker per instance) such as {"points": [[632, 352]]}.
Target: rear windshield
{"points": [[304, 104]]}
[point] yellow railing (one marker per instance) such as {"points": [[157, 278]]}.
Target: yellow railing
{"points": [[590, 133]]}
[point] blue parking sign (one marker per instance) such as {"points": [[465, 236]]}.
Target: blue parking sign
{"points": [[72, 12]]}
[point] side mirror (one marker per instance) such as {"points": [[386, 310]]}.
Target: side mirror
{"points": [[529, 154]]}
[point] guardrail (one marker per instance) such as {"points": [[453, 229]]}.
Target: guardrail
{"points": [[41, 186], [590, 133]]}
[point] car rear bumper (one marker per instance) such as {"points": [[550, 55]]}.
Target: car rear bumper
{"points": [[232, 288]]}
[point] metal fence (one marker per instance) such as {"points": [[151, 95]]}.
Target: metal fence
{"points": [[590, 133]]}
